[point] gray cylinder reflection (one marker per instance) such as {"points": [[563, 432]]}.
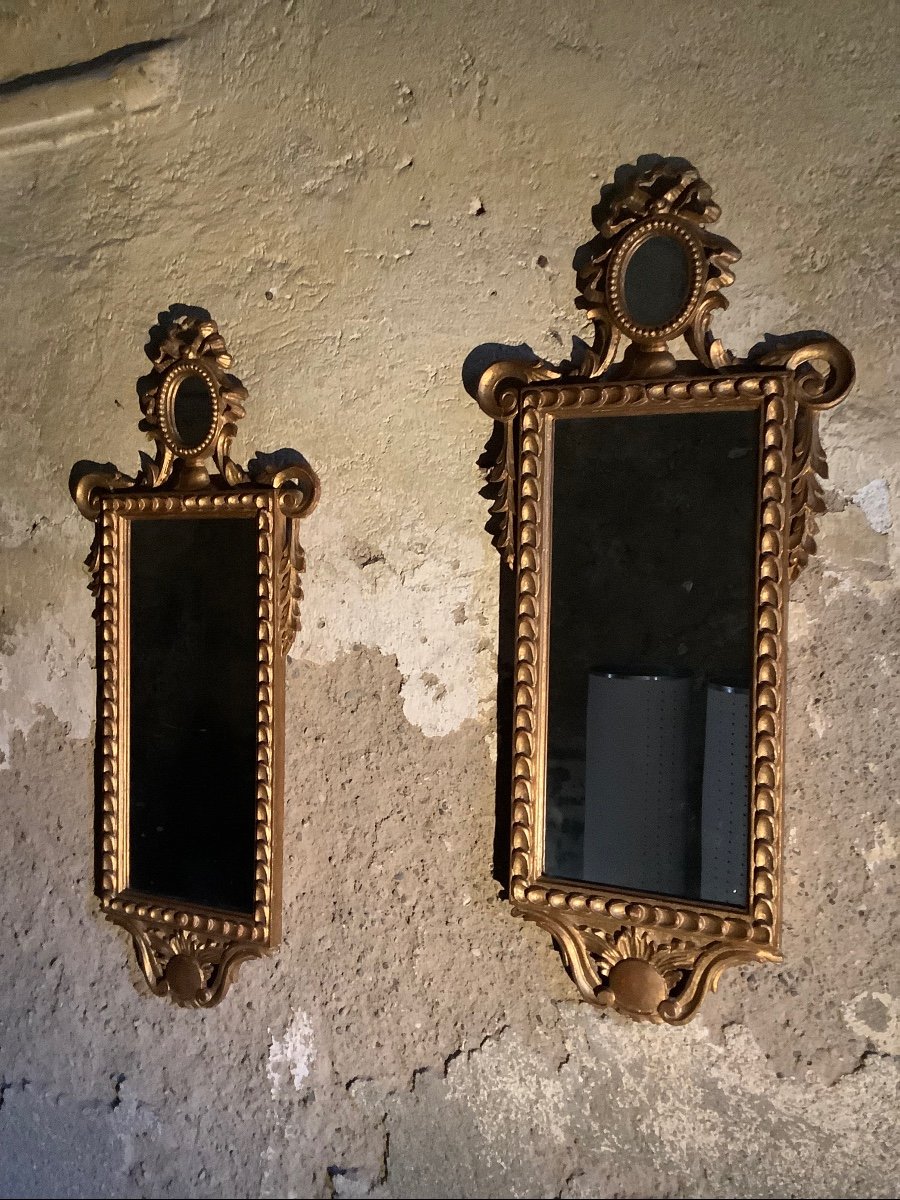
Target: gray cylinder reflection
{"points": [[637, 826], [724, 829]]}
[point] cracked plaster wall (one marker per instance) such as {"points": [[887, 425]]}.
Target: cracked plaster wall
{"points": [[361, 193]]}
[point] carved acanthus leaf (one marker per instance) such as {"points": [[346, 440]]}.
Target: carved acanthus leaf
{"points": [[823, 375], [500, 490]]}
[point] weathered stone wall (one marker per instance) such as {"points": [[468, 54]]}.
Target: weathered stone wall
{"points": [[361, 193]]}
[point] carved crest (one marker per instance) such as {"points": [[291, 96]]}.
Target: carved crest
{"points": [[669, 198], [189, 344]]}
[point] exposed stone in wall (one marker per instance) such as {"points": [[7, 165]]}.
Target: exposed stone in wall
{"points": [[360, 195]]}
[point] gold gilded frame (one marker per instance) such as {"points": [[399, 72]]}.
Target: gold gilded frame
{"points": [[654, 958], [190, 952]]}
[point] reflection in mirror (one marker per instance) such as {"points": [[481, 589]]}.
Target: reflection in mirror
{"points": [[193, 410], [193, 688], [657, 281], [651, 611]]}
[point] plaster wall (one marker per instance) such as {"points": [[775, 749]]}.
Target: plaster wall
{"points": [[360, 194]]}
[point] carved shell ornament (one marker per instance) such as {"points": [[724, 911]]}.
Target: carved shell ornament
{"points": [[654, 958]]}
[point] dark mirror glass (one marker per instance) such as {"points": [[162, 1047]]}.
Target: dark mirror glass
{"points": [[193, 688], [193, 411], [651, 652], [657, 281]]}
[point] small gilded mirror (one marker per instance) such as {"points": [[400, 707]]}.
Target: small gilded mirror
{"points": [[654, 512], [193, 412], [657, 281], [196, 575]]}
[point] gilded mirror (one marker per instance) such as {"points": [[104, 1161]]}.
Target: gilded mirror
{"points": [[196, 575], [653, 512]]}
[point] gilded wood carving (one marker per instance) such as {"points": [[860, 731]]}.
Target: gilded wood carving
{"points": [[653, 957], [190, 952]]}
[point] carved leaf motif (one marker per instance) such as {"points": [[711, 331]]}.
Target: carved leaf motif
{"points": [[710, 350], [589, 362], [671, 186], [293, 564], [500, 487], [93, 564], [823, 373], [807, 500], [634, 943]]}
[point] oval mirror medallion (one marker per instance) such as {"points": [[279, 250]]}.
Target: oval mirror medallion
{"points": [[193, 411], [657, 281]]}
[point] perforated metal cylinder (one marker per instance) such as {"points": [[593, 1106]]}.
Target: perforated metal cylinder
{"points": [[724, 830], [637, 828]]}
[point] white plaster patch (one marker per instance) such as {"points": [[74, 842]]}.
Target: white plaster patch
{"points": [[875, 501], [875, 1016], [816, 720], [883, 850], [413, 597], [45, 668], [505, 1075], [798, 622], [16, 522], [291, 1056]]}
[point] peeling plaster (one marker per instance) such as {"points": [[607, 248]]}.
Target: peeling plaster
{"points": [[884, 849], [291, 1055], [412, 597], [876, 1017], [657, 1082], [875, 501], [43, 667], [16, 523]]}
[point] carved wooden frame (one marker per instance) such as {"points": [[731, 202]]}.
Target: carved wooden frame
{"points": [[191, 952], [651, 957]]}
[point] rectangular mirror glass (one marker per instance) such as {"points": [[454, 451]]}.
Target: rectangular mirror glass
{"points": [[193, 629], [653, 570]]}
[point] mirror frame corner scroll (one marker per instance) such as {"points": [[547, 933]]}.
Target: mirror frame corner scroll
{"points": [[655, 958], [191, 952]]}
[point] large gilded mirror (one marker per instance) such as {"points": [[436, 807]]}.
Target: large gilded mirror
{"points": [[653, 512], [196, 575]]}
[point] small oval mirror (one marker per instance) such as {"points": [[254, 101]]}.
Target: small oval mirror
{"points": [[193, 411], [657, 281]]}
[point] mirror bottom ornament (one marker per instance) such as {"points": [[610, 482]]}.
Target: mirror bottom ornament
{"points": [[192, 970], [642, 978]]}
